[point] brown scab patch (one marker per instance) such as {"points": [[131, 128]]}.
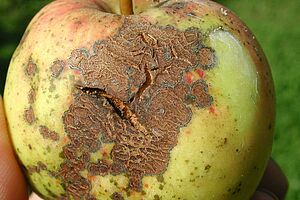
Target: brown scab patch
{"points": [[29, 115], [133, 94], [207, 57], [192, 35], [101, 168], [200, 93], [48, 134], [37, 168], [31, 68], [31, 96], [57, 68]]}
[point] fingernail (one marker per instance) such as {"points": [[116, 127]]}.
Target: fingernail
{"points": [[269, 193]]}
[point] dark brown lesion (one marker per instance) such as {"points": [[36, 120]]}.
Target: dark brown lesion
{"points": [[31, 96], [48, 134], [36, 168], [29, 115], [207, 57], [57, 68], [30, 71], [133, 94], [31, 68], [199, 94]]}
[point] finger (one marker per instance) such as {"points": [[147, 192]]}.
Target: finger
{"points": [[274, 180], [263, 195], [12, 182]]}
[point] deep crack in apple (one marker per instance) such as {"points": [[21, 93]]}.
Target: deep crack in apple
{"points": [[119, 106]]}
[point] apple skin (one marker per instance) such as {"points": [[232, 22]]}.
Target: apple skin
{"points": [[220, 153]]}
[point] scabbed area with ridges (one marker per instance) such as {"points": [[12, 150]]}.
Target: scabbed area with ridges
{"points": [[134, 93]]}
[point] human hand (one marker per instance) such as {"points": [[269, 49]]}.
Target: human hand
{"points": [[273, 185], [13, 185]]}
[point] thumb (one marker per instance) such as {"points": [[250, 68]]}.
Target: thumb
{"points": [[264, 195], [12, 182]]}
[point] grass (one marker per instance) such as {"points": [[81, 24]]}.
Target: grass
{"points": [[276, 25]]}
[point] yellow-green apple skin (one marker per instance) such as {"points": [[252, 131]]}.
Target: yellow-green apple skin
{"points": [[173, 102]]}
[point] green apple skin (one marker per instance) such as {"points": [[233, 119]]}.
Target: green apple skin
{"points": [[219, 154]]}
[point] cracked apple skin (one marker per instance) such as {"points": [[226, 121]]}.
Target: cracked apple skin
{"points": [[174, 102]]}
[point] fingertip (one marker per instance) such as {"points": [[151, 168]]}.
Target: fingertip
{"points": [[264, 195], [274, 180], [12, 182]]}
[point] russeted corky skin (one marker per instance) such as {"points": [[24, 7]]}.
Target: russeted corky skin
{"points": [[174, 102]]}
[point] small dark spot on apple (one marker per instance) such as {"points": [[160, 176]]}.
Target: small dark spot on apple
{"points": [[207, 167], [156, 197], [160, 178], [29, 146], [161, 186], [236, 189], [117, 196], [50, 193]]}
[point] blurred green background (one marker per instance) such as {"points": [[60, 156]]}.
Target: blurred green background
{"points": [[276, 24]]}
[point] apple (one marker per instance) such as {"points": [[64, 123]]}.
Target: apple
{"points": [[159, 100]]}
